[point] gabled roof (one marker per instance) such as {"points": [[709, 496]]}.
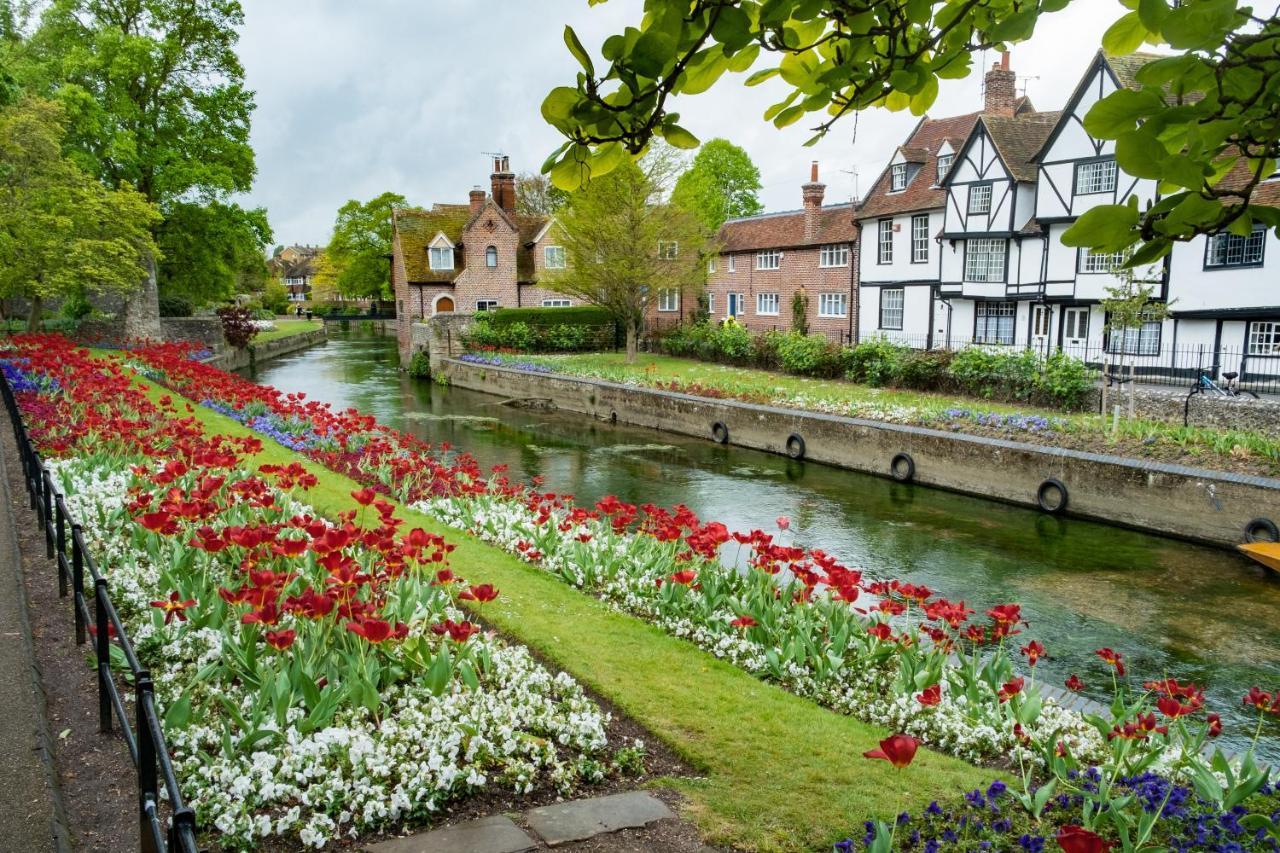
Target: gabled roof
{"points": [[416, 228], [921, 192], [1019, 138], [785, 229]]}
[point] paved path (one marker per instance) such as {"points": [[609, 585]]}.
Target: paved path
{"points": [[31, 818]]}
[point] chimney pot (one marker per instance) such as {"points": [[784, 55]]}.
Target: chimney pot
{"points": [[1000, 89], [477, 200], [813, 172], [813, 193], [503, 184]]}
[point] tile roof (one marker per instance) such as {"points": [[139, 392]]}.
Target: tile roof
{"points": [[1126, 67], [416, 229], [921, 192], [785, 229], [1266, 193], [1019, 138]]}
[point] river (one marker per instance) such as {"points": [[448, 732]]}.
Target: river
{"points": [[1171, 608]]}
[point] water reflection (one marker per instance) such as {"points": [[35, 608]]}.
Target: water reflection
{"points": [[1173, 609]]}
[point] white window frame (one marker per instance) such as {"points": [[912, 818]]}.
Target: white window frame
{"points": [[491, 257], [711, 265], [1264, 337], [897, 177], [985, 259], [979, 200], [893, 301], [711, 304], [833, 305], [1225, 250], [884, 242], [768, 304], [556, 303], [669, 299], [1096, 177], [1094, 263], [439, 255], [553, 257], [1144, 340], [668, 250], [920, 238], [295, 281], [944, 166], [768, 259], [1075, 324], [989, 326], [486, 304], [833, 255], [732, 266]]}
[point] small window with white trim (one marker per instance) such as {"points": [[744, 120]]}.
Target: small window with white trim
{"points": [[898, 177], [1264, 338], [980, 198], [944, 166], [833, 305], [711, 265], [1098, 176], [553, 257], [834, 255], [767, 304], [491, 257], [486, 304], [668, 299], [732, 265], [885, 245], [555, 303], [442, 257], [769, 259], [891, 303], [668, 250], [920, 238]]}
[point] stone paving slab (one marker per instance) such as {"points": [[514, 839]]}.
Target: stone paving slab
{"points": [[574, 821], [495, 834]]}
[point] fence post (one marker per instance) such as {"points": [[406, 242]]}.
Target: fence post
{"points": [[33, 477], [46, 488], [62, 547], [77, 579], [103, 647], [148, 784]]}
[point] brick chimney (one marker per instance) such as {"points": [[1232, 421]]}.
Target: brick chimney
{"points": [[813, 193], [477, 200], [1001, 89], [503, 182]]}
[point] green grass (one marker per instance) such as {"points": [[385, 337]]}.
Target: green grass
{"points": [[287, 329], [1198, 445], [775, 772]]}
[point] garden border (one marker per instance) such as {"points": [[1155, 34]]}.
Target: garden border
{"points": [[1195, 504], [146, 742]]}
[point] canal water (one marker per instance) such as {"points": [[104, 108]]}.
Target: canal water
{"points": [[1171, 608]]}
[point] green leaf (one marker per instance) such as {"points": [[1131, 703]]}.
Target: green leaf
{"points": [[607, 157], [732, 28], [678, 136], [178, 714], [652, 52], [571, 172], [1125, 35], [579, 52], [1107, 227], [558, 105], [760, 76], [1140, 154], [1120, 111], [1153, 13]]}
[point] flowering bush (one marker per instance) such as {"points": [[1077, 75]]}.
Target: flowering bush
{"points": [[238, 326], [317, 678]]}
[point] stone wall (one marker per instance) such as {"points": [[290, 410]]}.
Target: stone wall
{"points": [[1189, 503], [440, 337], [258, 353], [1202, 410], [200, 330]]}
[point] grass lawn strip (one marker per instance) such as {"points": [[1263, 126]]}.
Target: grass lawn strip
{"points": [[1243, 450], [781, 772], [287, 329]]}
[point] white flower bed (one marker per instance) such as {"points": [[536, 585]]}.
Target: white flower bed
{"points": [[519, 728]]}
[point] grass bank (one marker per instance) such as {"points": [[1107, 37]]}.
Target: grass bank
{"points": [[777, 772], [287, 329], [1236, 450]]}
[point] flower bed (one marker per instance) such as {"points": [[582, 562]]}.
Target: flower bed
{"points": [[317, 678], [890, 652]]}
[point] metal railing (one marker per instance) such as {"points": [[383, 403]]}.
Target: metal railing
{"points": [[64, 543]]}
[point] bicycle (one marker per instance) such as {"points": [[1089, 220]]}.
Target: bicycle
{"points": [[1206, 385]]}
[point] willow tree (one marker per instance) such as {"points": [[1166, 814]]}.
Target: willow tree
{"points": [[625, 244], [61, 231], [1202, 122]]}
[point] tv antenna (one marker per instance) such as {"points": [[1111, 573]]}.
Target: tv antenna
{"points": [[1025, 80], [854, 173]]}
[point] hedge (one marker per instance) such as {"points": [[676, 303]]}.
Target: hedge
{"points": [[543, 330], [582, 315]]}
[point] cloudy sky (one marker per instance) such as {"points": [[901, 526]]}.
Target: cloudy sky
{"points": [[406, 95]]}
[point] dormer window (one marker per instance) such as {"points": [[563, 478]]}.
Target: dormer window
{"points": [[490, 257], [442, 257], [898, 177], [944, 165]]}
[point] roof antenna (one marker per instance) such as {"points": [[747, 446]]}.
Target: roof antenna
{"points": [[854, 172], [498, 159], [1026, 79]]}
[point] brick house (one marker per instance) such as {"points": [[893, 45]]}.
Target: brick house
{"points": [[765, 260], [468, 257], [295, 269]]}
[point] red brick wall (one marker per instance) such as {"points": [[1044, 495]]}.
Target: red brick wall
{"points": [[798, 268], [479, 281]]}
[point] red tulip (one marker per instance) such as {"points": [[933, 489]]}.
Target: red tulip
{"points": [[899, 750], [684, 576], [280, 640], [1034, 651], [1011, 688], [1074, 683], [364, 496], [459, 632], [172, 607], [1258, 698], [783, 522], [1172, 708], [479, 593], [1215, 725], [1077, 839], [1114, 658], [373, 630], [930, 696], [744, 622]]}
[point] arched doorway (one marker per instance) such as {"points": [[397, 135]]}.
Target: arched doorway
{"points": [[443, 302]]}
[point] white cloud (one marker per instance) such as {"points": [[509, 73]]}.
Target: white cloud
{"points": [[406, 95]]}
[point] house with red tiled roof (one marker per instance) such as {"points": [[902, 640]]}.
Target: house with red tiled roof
{"points": [[765, 261], [472, 257]]}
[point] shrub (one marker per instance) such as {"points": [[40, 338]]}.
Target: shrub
{"points": [[995, 373], [76, 306], [237, 326], [581, 315], [275, 298], [175, 305], [1066, 381], [924, 370], [733, 341], [420, 365], [808, 355], [874, 362]]}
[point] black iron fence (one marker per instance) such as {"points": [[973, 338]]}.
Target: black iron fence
{"points": [[77, 572]]}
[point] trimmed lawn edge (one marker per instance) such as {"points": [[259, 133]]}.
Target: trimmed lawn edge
{"points": [[781, 772]]}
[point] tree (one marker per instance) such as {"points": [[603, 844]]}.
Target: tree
{"points": [[537, 196], [212, 251], [1188, 122], [61, 231], [1128, 306], [155, 96], [721, 183], [623, 244], [357, 252]]}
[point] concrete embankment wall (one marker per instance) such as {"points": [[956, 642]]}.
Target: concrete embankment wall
{"points": [[1173, 500], [258, 353]]}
